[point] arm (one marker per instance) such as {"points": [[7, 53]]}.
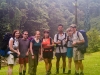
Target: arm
{"points": [[55, 40], [31, 50]]}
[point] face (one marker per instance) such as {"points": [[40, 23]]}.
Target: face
{"points": [[25, 35], [37, 34], [73, 29], [46, 34], [17, 34], [60, 28], [69, 32]]}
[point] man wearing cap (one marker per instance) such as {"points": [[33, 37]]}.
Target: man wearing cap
{"points": [[77, 55], [60, 40]]}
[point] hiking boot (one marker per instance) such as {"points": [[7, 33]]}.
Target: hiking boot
{"points": [[69, 72], [81, 73]]}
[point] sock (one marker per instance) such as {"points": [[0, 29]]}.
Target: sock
{"points": [[63, 70], [20, 73]]}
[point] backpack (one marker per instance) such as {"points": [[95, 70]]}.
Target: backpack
{"points": [[4, 45], [83, 46]]}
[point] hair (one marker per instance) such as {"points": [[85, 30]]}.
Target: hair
{"points": [[46, 31], [60, 25], [24, 32], [13, 34], [37, 32], [67, 29]]}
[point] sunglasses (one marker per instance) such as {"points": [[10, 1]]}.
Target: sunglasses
{"points": [[25, 34]]}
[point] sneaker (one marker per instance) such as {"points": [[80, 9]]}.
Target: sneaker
{"points": [[69, 72], [81, 73], [76, 74]]}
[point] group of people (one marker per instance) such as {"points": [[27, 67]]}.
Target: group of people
{"points": [[30, 49]]}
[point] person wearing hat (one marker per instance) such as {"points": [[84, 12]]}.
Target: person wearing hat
{"points": [[77, 55], [47, 44], [69, 49]]}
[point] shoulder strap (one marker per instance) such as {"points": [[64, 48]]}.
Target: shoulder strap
{"points": [[65, 35], [50, 41], [57, 36]]}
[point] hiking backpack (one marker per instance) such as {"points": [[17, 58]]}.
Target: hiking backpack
{"points": [[4, 44], [85, 44]]}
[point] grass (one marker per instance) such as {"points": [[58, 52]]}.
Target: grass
{"points": [[91, 66]]}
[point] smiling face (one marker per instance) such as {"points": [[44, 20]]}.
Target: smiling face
{"points": [[60, 28], [37, 34], [25, 35], [17, 34]]}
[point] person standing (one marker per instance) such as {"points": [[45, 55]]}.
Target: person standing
{"points": [[35, 49], [24, 50], [77, 55], [69, 49], [47, 45], [60, 41], [14, 52]]}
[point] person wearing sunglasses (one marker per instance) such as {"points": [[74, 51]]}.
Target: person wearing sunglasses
{"points": [[24, 51]]}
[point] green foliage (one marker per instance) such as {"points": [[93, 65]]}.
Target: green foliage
{"points": [[94, 40]]}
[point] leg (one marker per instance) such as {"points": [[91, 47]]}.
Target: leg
{"points": [[20, 69], [25, 65], [76, 66], [69, 65], [50, 65], [81, 67], [46, 64], [64, 63], [57, 64], [10, 69]]}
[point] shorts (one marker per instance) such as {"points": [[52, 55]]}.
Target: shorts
{"points": [[23, 60], [58, 55], [69, 53], [11, 59], [77, 55], [48, 54]]}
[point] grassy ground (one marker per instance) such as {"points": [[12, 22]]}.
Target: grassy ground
{"points": [[91, 66]]}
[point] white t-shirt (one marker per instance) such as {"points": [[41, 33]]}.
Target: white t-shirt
{"points": [[15, 43], [75, 37]]}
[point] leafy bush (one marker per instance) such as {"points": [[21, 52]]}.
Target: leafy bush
{"points": [[94, 40]]}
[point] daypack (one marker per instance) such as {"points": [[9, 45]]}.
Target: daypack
{"points": [[4, 45], [85, 44]]}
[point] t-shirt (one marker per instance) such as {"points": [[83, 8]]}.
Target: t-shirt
{"points": [[23, 47], [60, 37], [75, 37], [69, 43], [36, 46], [15, 43]]}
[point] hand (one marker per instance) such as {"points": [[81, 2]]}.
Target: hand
{"points": [[18, 53], [27, 54], [40, 56], [59, 42], [32, 56], [74, 43]]}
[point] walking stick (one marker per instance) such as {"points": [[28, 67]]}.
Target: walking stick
{"points": [[0, 62]]}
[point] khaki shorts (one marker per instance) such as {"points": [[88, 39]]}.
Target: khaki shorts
{"points": [[77, 55], [10, 59]]}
